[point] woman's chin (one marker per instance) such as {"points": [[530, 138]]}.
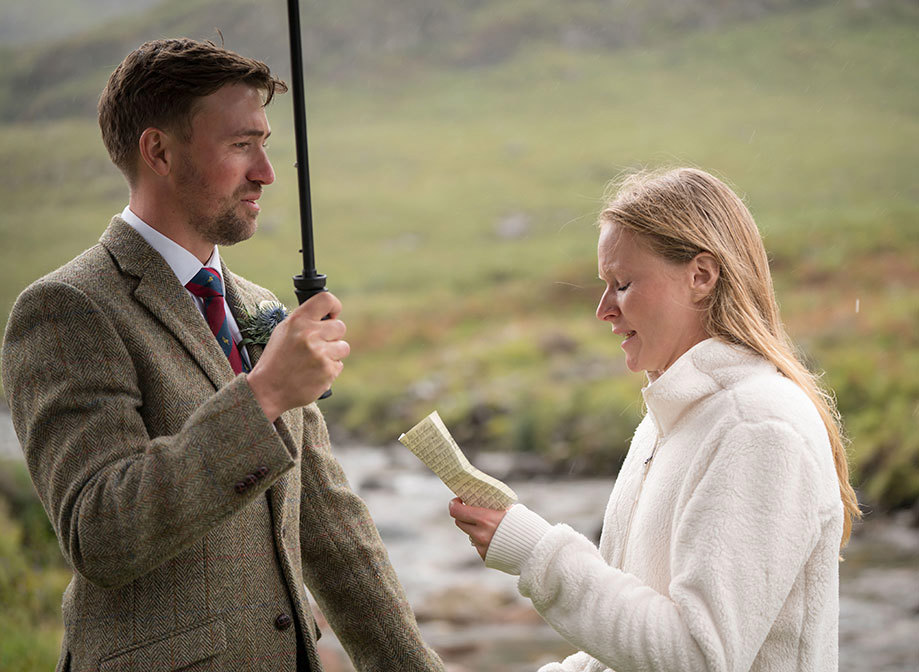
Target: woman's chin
{"points": [[633, 365]]}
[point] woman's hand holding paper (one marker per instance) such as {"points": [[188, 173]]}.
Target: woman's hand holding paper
{"points": [[480, 524]]}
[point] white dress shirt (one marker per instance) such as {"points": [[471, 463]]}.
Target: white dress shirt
{"points": [[185, 265]]}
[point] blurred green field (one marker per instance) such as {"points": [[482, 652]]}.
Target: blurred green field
{"points": [[454, 217]]}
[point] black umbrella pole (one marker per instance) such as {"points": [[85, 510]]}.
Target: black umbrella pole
{"points": [[309, 282]]}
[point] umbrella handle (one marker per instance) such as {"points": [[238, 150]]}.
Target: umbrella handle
{"points": [[306, 287]]}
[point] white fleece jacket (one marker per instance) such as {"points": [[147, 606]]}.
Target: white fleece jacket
{"points": [[719, 553]]}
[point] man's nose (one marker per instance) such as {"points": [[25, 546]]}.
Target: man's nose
{"points": [[262, 172]]}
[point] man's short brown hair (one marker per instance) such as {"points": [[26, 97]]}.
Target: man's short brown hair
{"points": [[158, 85]]}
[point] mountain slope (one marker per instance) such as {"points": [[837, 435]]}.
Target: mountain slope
{"points": [[340, 39], [35, 21]]}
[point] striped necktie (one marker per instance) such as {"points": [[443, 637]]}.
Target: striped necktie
{"points": [[208, 286]]}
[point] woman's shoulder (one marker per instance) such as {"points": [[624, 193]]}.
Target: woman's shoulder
{"points": [[782, 416], [770, 396], [758, 391]]}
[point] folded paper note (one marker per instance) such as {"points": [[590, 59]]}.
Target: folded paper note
{"points": [[431, 442]]}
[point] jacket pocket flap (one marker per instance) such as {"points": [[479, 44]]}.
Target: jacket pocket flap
{"points": [[173, 652]]}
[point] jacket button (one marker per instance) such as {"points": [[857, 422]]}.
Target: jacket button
{"points": [[240, 487], [250, 480], [283, 621], [261, 472]]}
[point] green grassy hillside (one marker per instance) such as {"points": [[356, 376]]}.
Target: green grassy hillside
{"points": [[454, 211]]}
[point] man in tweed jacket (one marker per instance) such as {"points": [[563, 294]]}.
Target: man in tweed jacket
{"points": [[193, 503]]}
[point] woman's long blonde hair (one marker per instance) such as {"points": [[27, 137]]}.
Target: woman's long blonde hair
{"points": [[685, 211]]}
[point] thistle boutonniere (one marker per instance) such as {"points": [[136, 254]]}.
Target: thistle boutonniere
{"points": [[256, 328]]}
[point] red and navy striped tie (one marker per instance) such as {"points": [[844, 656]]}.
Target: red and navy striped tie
{"points": [[207, 285]]}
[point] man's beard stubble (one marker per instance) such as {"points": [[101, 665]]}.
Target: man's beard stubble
{"points": [[223, 228]]}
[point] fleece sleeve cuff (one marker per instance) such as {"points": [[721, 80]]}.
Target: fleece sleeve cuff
{"points": [[515, 539]]}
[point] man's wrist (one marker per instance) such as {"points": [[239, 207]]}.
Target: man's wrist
{"points": [[264, 396]]}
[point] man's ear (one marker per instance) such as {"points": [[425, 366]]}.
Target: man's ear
{"points": [[155, 147], [704, 272]]}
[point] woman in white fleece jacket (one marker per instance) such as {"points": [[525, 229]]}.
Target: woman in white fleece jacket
{"points": [[721, 538]]}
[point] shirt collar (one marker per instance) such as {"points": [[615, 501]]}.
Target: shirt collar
{"points": [[182, 262]]}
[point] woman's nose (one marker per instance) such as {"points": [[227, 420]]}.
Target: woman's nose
{"points": [[608, 307]]}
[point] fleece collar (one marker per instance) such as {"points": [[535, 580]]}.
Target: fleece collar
{"points": [[704, 369]]}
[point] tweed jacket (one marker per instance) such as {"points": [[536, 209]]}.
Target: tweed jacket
{"points": [[191, 522]]}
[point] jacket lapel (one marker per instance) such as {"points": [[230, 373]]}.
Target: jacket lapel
{"points": [[239, 306], [159, 291]]}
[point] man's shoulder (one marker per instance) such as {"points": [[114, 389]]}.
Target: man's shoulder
{"points": [[88, 272], [73, 293], [86, 269], [102, 269], [94, 279]]}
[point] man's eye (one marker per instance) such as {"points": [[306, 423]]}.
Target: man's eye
{"points": [[241, 145], [624, 287]]}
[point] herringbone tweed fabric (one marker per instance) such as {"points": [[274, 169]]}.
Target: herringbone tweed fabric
{"points": [[138, 437]]}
